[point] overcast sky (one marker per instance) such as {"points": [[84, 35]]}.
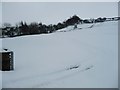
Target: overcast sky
{"points": [[51, 13]]}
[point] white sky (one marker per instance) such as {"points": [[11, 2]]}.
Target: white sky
{"points": [[52, 13], [59, 0]]}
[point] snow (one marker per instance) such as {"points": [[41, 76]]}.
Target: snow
{"points": [[80, 58], [4, 50]]}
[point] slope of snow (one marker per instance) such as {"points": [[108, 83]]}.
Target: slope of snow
{"points": [[83, 58]]}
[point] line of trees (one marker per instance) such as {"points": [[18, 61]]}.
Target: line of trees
{"points": [[39, 28], [36, 28]]}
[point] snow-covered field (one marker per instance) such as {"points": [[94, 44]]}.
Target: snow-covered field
{"points": [[80, 58]]}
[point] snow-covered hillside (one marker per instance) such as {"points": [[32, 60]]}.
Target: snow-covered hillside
{"points": [[80, 58]]}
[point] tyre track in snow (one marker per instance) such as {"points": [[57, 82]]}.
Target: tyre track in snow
{"points": [[47, 74], [44, 75], [62, 77], [52, 77]]}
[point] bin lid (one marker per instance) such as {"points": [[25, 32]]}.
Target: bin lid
{"points": [[4, 50]]}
